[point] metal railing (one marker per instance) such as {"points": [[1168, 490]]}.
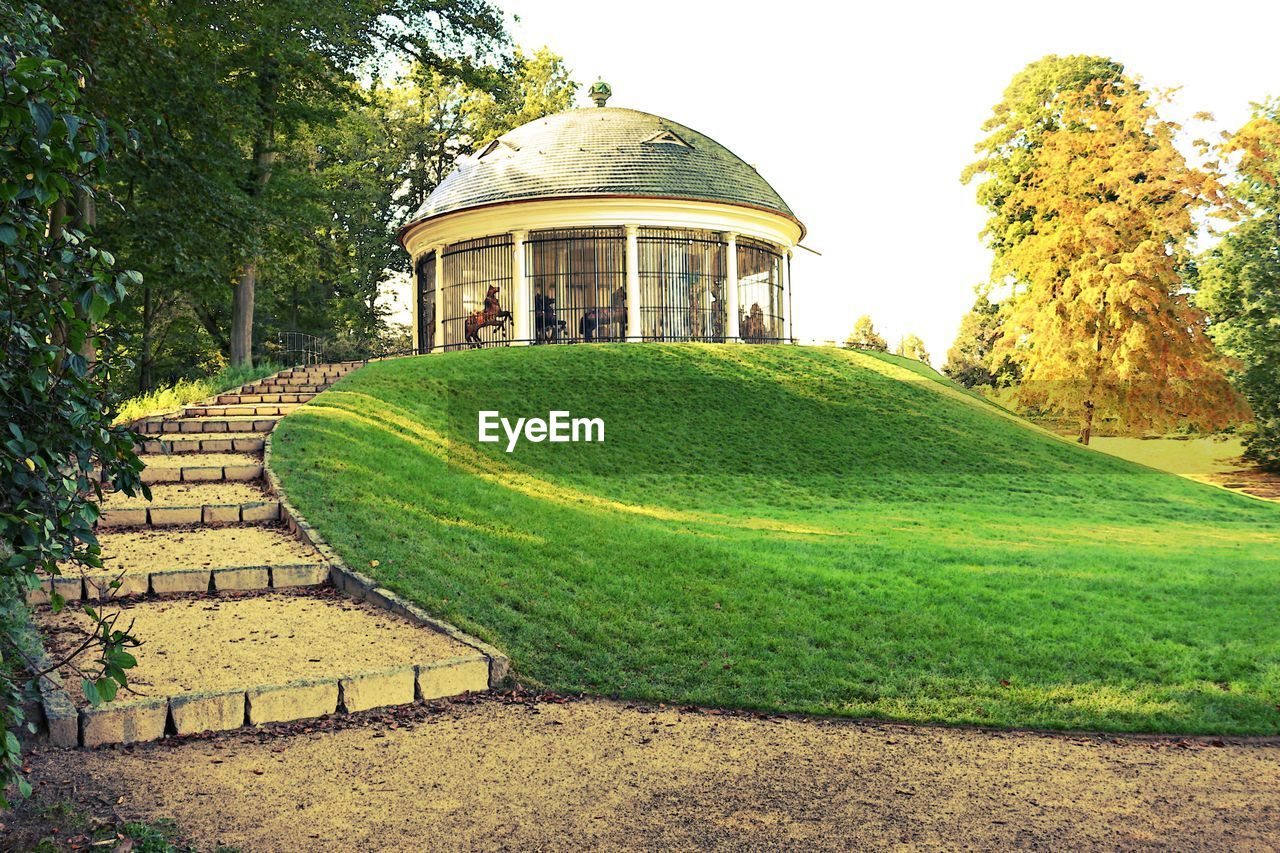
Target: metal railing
{"points": [[300, 349]]}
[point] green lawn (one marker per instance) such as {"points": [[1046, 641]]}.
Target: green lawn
{"points": [[797, 529]]}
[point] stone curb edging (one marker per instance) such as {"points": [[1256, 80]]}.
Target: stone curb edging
{"points": [[61, 719], [245, 473], [96, 587], [200, 442], [172, 516], [145, 719], [245, 410], [363, 588], [185, 425]]}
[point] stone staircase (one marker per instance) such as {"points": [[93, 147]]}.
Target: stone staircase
{"points": [[246, 616]]}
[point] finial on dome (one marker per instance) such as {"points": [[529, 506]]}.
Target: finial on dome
{"points": [[600, 92]]}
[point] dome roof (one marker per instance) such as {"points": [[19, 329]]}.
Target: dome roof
{"points": [[601, 151]]}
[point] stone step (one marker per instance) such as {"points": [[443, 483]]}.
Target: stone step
{"points": [[239, 410], [190, 503], [280, 379], [239, 442], [191, 559], [211, 664], [272, 388], [202, 425], [201, 467], [253, 399], [315, 375]]}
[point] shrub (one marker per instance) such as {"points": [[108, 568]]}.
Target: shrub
{"points": [[59, 347]]}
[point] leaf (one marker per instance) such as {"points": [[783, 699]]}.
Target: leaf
{"points": [[107, 689], [42, 116], [98, 309]]}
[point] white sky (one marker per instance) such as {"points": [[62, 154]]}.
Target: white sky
{"points": [[862, 118]]}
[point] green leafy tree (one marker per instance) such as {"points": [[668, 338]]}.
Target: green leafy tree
{"points": [[175, 207], [344, 186], [911, 346], [223, 206], [299, 54], [539, 86], [57, 304], [972, 360], [865, 336], [1239, 280]]}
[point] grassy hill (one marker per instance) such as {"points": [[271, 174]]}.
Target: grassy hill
{"points": [[797, 529]]}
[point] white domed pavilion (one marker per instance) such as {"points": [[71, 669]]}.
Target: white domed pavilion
{"points": [[601, 224]]}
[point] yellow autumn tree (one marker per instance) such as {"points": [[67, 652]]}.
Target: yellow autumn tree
{"points": [[865, 336], [911, 346], [1101, 222]]}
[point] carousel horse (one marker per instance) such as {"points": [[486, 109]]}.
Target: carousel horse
{"points": [[613, 316], [491, 315], [752, 326], [547, 327]]}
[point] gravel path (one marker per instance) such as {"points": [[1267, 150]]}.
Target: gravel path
{"points": [[600, 774]]}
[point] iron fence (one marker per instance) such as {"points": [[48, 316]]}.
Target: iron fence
{"points": [[298, 349]]}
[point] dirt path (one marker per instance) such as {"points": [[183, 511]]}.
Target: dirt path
{"points": [[602, 774]]}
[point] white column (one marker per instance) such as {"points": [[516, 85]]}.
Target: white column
{"points": [[733, 330], [633, 283], [414, 305], [437, 335], [520, 296], [784, 310]]}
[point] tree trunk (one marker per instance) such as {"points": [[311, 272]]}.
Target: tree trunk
{"points": [[264, 156], [242, 317], [1095, 374], [1086, 431], [146, 360], [85, 221]]}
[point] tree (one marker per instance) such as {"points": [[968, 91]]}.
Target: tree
{"points": [[910, 346], [190, 158], [226, 189], [443, 119], [971, 361], [1031, 110], [1240, 280], [57, 304], [343, 187], [297, 56], [1093, 228], [864, 336], [540, 86]]}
